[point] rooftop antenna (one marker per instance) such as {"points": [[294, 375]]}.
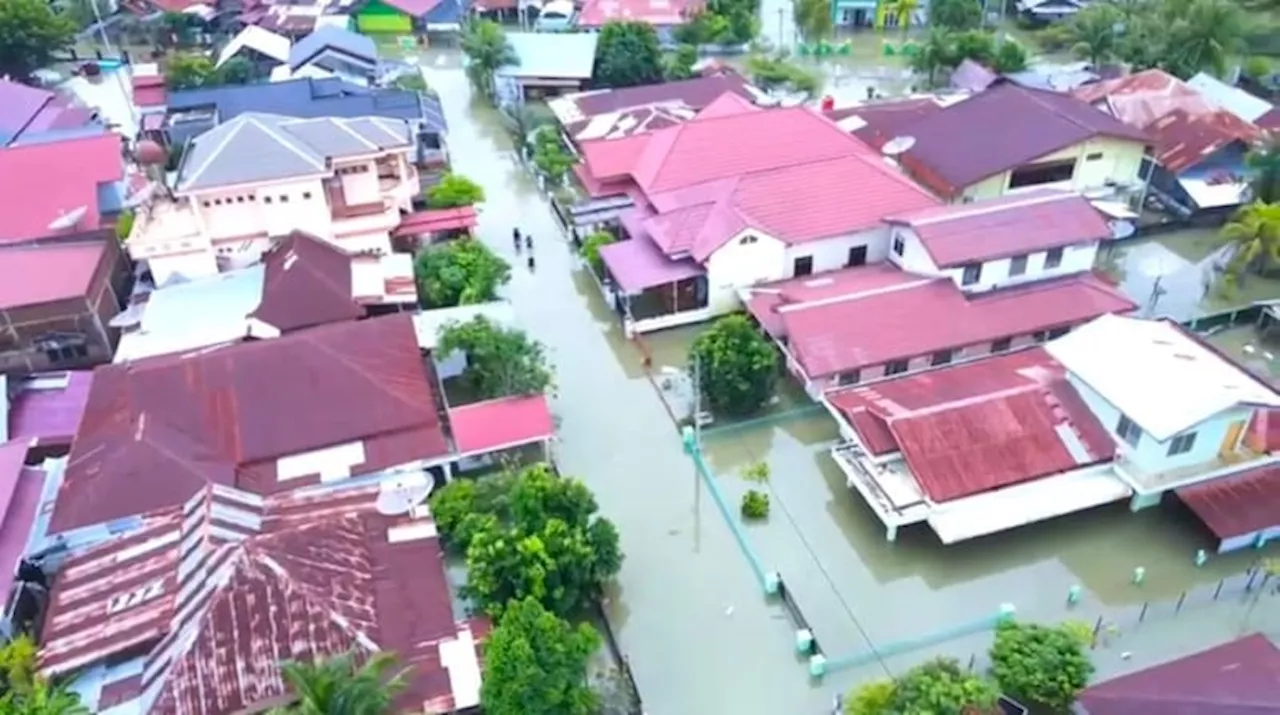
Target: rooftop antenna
{"points": [[403, 493], [68, 219], [898, 146]]}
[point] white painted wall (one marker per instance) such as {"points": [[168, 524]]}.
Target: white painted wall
{"points": [[359, 182], [830, 254], [995, 274], [748, 258], [200, 264]]}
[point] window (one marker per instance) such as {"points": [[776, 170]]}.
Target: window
{"points": [[206, 204], [1046, 173], [239, 199], [1182, 444], [852, 377], [896, 367], [857, 256], [803, 266], [69, 352], [1017, 266], [972, 274], [306, 195], [1094, 156], [253, 197], [1053, 258], [217, 202], [747, 240], [284, 199], [1058, 332], [942, 357], [899, 246], [266, 199], [1040, 336], [1129, 431], [1001, 345]]}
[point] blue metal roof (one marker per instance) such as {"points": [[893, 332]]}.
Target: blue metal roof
{"points": [[337, 38]]}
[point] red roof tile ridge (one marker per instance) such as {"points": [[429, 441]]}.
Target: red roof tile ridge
{"points": [[933, 215], [969, 401], [859, 295]]}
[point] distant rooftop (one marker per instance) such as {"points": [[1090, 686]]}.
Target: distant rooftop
{"points": [[554, 55]]}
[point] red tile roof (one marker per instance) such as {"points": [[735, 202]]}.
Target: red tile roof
{"points": [[435, 220], [503, 423], [881, 120], [158, 430], [1183, 140], [766, 301], [919, 318], [46, 273], [307, 282], [326, 569], [1013, 225], [1238, 678], [1239, 504], [149, 91], [793, 184], [42, 182], [596, 13], [48, 416], [999, 130], [694, 93], [978, 426]]}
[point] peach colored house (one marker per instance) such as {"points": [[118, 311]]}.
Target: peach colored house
{"points": [[260, 177]]}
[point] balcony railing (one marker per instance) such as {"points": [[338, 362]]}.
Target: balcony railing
{"points": [[1160, 480], [339, 208]]}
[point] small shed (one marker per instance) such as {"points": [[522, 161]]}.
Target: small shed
{"points": [[548, 64]]}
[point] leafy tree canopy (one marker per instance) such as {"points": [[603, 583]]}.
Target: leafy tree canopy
{"points": [[722, 22], [1265, 165], [627, 55], [1094, 32], [1182, 37], [454, 190], [344, 684], [461, 272], [485, 44], [532, 534], [535, 664], [944, 50], [500, 361], [955, 14], [738, 366], [813, 18], [1038, 664], [42, 698], [549, 154], [941, 687], [18, 664], [31, 33], [1254, 237], [770, 73], [679, 64], [874, 698], [591, 246], [188, 70]]}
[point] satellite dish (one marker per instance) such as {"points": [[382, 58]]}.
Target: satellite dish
{"points": [[69, 219], [1121, 228], [898, 145], [401, 494]]}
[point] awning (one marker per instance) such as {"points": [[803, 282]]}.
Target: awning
{"points": [[504, 423], [435, 221], [1239, 504], [638, 264]]}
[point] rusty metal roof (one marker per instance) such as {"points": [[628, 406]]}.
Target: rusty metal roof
{"points": [[156, 431], [306, 282], [1239, 504], [1184, 139], [292, 577]]}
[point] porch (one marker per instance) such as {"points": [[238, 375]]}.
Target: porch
{"points": [[651, 291]]}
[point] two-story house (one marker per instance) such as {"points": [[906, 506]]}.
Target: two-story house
{"points": [[337, 52], [737, 196], [960, 282], [1184, 419], [1006, 139], [260, 177]]}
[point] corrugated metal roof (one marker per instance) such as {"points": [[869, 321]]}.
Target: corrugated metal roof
{"points": [[1184, 140], [503, 423], [157, 431], [434, 220], [1007, 226], [48, 415], [43, 182], [343, 40], [1238, 504], [307, 282], [1238, 678]]}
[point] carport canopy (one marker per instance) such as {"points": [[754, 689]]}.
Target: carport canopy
{"points": [[637, 264]]}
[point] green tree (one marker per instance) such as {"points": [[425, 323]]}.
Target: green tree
{"points": [[83, 13], [874, 698], [679, 64], [175, 28], [776, 73], [343, 685], [454, 190], [955, 14], [460, 507], [738, 366], [1009, 56], [237, 70], [549, 154], [1264, 165], [42, 698], [535, 663], [934, 55], [31, 33], [1094, 32], [627, 55], [1204, 37], [1040, 665], [124, 225], [18, 664], [485, 44], [500, 361], [903, 11], [412, 81], [461, 272], [941, 686], [188, 70], [1254, 238], [591, 246], [812, 18]]}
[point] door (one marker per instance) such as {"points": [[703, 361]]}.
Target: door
{"points": [[857, 256], [1232, 440], [803, 266]]}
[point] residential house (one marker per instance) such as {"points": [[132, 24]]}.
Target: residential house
{"points": [[1014, 138], [1254, 110], [1194, 440], [149, 92], [297, 18], [1047, 11], [616, 113], [337, 52], [186, 614], [405, 17], [261, 176], [302, 282], [1059, 77], [664, 15], [191, 113], [21, 487], [62, 187], [42, 411], [56, 300], [970, 76], [1198, 163], [710, 218], [1236, 678], [262, 48], [28, 113], [547, 64], [960, 282]]}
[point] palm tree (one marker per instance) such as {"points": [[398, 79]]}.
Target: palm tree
{"points": [[1205, 36], [936, 53], [486, 47], [1254, 237], [42, 698], [342, 686], [1093, 30], [1264, 162], [812, 18]]}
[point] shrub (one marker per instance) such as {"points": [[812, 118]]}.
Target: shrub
{"points": [[591, 246], [755, 505]]}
